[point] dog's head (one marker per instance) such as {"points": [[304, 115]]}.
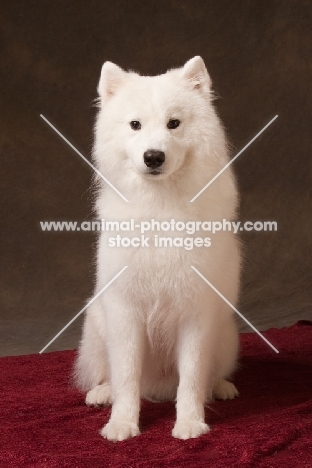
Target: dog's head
{"points": [[151, 123]]}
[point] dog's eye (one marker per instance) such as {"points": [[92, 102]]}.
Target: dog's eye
{"points": [[173, 123], [135, 125]]}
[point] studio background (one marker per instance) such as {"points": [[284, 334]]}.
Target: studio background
{"points": [[258, 54]]}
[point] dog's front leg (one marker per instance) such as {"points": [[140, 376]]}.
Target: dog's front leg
{"points": [[125, 350], [194, 367]]}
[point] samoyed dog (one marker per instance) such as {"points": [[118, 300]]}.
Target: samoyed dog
{"points": [[159, 331]]}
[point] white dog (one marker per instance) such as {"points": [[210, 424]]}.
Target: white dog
{"points": [[159, 331]]}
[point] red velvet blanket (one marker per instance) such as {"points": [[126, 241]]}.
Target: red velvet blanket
{"points": [[45, 423]]}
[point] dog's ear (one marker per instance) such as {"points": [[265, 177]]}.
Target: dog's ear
{"points": [[111, 78], [195, 73]]}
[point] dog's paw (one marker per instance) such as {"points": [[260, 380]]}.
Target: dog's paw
{"points": [[99, 395], [225, 390], [189, 429], [119, 430]]}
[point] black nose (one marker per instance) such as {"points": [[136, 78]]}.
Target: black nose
{"points": [[154, 158]]}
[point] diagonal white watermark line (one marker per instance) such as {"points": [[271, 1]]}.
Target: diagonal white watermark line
{"points": [[235, 310], [85, 159], [82, 310], [233, 159]]}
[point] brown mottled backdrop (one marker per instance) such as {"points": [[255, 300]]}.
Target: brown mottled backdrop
{"points": [[259, 55]]}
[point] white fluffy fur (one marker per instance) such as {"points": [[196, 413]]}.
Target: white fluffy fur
{"points": [[159, 331]]}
